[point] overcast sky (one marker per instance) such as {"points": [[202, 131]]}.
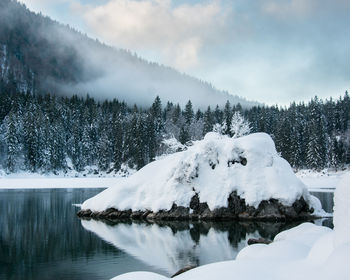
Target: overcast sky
{"points": [[272, 51]]}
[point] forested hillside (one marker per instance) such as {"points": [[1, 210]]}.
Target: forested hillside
{"points": [[40, 55], [49, 124], [47, 133]]}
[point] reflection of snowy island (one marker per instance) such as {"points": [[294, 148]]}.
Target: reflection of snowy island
{"points": [[172, 245], [216, 178]]}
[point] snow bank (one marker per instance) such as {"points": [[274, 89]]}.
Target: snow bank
{"points": [[88, 178], [341, 216], [307, 251], [57, 183], [213, 167], [291, 256], [323, 181]]}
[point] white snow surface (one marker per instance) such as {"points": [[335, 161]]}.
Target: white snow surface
{"points": [[57, 183], [176, 178], [305, 252], [321, 181], [89, 178], [341, 216]]}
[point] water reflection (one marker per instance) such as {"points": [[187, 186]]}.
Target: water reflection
{"points": [[41, 238], [326, 199], [173, 245], [327, 202]]}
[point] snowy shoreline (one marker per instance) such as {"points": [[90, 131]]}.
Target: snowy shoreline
{"points": [[58, 183], [324, 181]]}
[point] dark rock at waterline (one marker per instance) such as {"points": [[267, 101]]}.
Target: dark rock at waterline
{"points": [[84, 213], [268, 210], [261, 240], [187, 268]]}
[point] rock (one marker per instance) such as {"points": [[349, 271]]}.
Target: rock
{"points": [[187, 268], [268, 210], [236, 204], [260, 240], [151, 216], [137, 215], [146, 213], [113, 215], [244, 216], [289, 212], [178, 213], [243, 161], [194, 203], [84, 213], [300, 205], [125, 214], [223, 213]]}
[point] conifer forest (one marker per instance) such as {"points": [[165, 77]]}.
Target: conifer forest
{"points": [[46, 133]]}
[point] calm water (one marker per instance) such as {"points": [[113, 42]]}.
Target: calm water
{"points": [[41, 238]]}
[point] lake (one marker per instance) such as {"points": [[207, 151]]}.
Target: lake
{"points": [[41, 238]]}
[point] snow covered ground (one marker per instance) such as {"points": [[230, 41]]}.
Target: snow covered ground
{"points": [[305, 252], [58, 183], [323, 181], [85, 179]]}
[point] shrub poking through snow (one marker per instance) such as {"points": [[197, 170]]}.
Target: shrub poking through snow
{"points": [[217, 178]]}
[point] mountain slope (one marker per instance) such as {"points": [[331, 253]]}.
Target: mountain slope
{"points": [[40, 55]]}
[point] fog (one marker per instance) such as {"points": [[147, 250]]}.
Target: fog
{"points": [[66, 62], [107, 73]]}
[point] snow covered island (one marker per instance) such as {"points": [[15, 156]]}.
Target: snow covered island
{"points": [[215, 179], [304, 252]]}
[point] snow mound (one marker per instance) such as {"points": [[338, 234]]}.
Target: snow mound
{"points": [[342, 211], [307, 251], [212, 168], [291, 256]]}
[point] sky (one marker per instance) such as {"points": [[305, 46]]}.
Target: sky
{"points": [[271, 51]]}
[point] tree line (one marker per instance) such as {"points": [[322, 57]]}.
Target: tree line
{"points": [[46, 133]]}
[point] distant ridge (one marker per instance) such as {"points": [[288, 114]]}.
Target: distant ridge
{"points": [[39, 55]]}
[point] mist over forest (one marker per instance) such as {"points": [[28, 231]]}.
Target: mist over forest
{"points": [[40, 55], [67, 103]]}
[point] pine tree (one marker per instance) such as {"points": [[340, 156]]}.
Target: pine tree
{"points": [[44, 144], [176, 114], [317, 146], [104, 147], [31, 136], [218, 115], [118, 141], [188, 113], [151, 137], [227, 117], [156, 112], [184, 135], [208, 121], [12, 143]]}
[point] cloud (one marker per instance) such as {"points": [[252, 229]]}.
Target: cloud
{"points": [[266, 50], [176, 32], [41, 5], [302, 9], [293, 8]]}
